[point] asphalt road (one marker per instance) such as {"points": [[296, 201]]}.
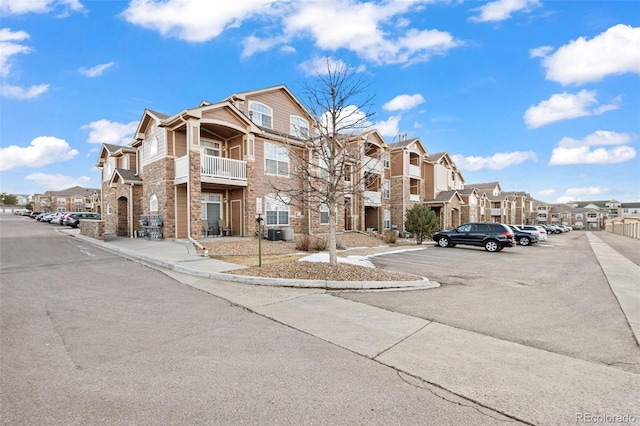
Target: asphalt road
{"points": [[552, 296], [88, 337]]}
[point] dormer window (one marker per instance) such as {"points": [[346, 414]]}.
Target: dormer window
{"points": [[261, 114], [299, 127]]}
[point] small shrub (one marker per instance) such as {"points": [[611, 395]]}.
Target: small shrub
{"points": [[339, 244], [303, 242], [320, 244], [389, 237]]}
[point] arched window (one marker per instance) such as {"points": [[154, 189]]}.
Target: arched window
{"points": [[153, 146], [153, 203], [261, 114]]}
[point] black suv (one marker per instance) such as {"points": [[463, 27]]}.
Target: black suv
{"points": [[491, 236]]}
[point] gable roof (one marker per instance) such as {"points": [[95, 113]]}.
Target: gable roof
{"points": [[125, 176]]}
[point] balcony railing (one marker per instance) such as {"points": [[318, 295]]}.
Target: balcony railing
{"points": [[414, 171], [372, 198], [214, 167], [373, 164], [497, 212], [219, 167], [414, 197]]}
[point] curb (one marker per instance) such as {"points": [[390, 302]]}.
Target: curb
{"points": [[424, 283]]}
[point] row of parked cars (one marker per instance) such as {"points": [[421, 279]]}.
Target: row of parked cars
{"points": [[71, 219], [496, 236]]}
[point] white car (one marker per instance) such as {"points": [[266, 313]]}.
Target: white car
{"points": [[537, 230]]}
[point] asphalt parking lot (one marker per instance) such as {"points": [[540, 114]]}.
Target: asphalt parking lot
{"points": [[552, 296]]}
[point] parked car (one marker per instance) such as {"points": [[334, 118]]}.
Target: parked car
{"points": [[25, 213], [565, 228], [72, 219], [47, 217], [523, 238], [492, 236], [40, 216], [552, 229], [57, 218], [535, 229], [33, 215]]}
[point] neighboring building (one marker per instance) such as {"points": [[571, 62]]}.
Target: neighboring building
{"points": [[442, 180], [74, 199], [629, 210], [407, 181]]}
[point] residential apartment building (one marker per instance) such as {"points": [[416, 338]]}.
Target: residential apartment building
{"points": [[442, 181], [406, 178], [220, 165], [74, 199]]}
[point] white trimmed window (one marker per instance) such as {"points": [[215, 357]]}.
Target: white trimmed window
{"points": [[109, 208], [276, 159], [153, 146], [385, 159], [299, 127], [260, 114], [324, 214], [386, 188], [277, 210], [61, 201], [387, 220], [210, 148]]}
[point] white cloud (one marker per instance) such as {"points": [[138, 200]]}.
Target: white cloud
{"points": [[17, 92], [547, 192], [389, 127], [8, 48], [497, 161], [318, 66], [403, 102], [573, 194], [615, 51], [564, 106], [58, 181], [501, 10], [96, 70], [361, 27], [19, 7], [105, 131], [579, 151], [42, 151], [194, 20]]}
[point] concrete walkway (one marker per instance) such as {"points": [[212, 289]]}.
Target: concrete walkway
{"points": [[529, 385], [624, 279]]}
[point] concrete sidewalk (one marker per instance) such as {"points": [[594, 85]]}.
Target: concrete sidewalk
{"points": [[529, 385], [181, 256]]}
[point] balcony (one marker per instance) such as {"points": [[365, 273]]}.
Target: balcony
{"points": [[373, 164], [217, 169], [497, 212], [372, 198], [414, 171], [414, 197]]}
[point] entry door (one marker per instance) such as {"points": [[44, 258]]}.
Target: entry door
{"points": [[213, 214]]}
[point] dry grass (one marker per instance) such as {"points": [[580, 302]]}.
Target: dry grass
{"points": [[280, 259]]}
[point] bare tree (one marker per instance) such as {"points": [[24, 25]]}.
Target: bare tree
{"points": [[328, 160]]}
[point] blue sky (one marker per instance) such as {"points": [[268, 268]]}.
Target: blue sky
{"points": [[542, 96]]}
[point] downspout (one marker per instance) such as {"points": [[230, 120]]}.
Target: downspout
{"points": [[130, 212], [194, 242]]}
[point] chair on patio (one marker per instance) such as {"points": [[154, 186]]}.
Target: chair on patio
{"points": [[225, 230], [206, 229]]}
